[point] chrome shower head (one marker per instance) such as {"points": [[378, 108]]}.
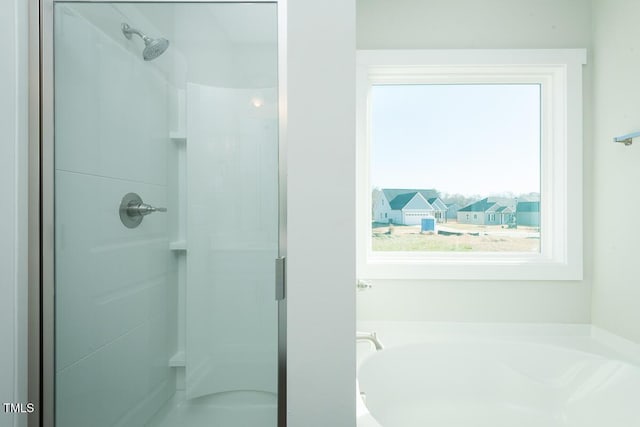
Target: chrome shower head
{"points": [[152, 47]]}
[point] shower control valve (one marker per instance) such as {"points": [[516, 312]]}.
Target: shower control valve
{"points": [[133, 210]]}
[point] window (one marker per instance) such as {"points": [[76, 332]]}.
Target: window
{"points": [[498, 133]]}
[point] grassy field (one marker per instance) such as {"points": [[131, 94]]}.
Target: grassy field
{"points": [[474, 238]]}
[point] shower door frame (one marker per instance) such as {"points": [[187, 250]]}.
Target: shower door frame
{"points": [[41, 363]]}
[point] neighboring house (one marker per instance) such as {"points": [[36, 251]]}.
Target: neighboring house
{"points": [[488, 211], [408, 207], [452, 211], [439, 207], [528, 213]]}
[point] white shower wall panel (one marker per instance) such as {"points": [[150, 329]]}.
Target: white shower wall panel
{"points": [[232, 235], [98, 394], [112, 114], [112, 284], [109, 279], [115, 286]]}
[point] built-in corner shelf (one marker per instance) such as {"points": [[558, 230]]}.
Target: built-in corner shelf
{"points": [[178, 245], [179, 359], [178, 137]]}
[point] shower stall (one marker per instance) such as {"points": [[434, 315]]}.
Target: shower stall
{"points": [[163, 237]]}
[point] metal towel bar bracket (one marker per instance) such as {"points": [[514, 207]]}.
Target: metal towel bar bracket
{"points": [[626, 139]]}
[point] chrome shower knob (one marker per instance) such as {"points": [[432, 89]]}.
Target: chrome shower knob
{"points": [[133, 210]]}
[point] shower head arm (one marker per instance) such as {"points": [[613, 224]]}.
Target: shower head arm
{"points": [[128, 31]]}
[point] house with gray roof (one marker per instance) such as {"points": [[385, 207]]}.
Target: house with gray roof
{"points": [[440, 209], [408, 206], [489, 211]]}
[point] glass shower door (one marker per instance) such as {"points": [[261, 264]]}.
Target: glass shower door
{"points": [[166, 214]]}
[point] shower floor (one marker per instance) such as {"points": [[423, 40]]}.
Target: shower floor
{"points": [[233, 409]]}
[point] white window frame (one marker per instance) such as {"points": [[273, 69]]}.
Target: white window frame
{"points": [[559, 73]]}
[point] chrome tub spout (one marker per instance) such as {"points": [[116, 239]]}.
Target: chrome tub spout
{"points": [[372, 337]]}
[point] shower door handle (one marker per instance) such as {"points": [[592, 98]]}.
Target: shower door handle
{"points": [[281, 273]]}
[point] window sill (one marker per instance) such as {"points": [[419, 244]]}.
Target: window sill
{"points": [[461, 266]]}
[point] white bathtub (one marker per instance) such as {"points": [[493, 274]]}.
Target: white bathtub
{"points": [[489, 381]]}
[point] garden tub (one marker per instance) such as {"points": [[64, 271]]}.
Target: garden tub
{"points": [[494, 382]]}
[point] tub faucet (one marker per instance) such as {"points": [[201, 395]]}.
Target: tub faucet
{"points": [[371, 337]]}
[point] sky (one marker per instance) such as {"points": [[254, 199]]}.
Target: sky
{"points": [[466, 139]]}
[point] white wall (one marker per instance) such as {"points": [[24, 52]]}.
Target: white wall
{"points": [[468, 24], [616, 292], [13, 215], [321, 238]]}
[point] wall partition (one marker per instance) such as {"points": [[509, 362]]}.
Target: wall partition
{"points": [[161, 181]]}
